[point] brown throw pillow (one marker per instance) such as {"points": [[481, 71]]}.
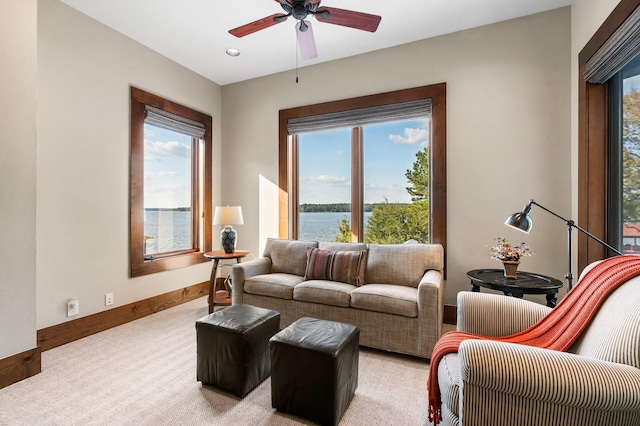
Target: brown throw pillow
{"points": [[342, 266], [319, 264]]}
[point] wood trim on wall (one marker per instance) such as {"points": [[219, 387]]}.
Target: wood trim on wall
{"points": [[593, 142], [57, 335], [450, 314], [19, 367], [26, 364]]}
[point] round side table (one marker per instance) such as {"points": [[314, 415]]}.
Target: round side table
{"points": [[525, 283], [220, 298]]}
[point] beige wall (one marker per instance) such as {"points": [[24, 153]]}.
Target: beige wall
{"points": [[508, 111], [17, 176], [85, 70]]}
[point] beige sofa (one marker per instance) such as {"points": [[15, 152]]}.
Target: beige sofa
{"points": [[397, 306]]}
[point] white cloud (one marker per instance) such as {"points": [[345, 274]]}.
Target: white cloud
{"points": [[393, 192], [158, 150], [167, 195], [325, 179], [412, 136], [324, 189], [160, 174]]}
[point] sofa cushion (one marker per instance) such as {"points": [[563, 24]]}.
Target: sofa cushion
{"points": [[288, 256], [342, 266], [324, 292], [276, 285], [390, 299], [402, 264]]}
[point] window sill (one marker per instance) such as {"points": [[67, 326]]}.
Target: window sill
{"points": [[162, 264]]}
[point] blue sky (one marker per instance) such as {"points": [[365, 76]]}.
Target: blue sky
{"points": [[628, 83], [389, 150], [325, 161], [167, 168]]}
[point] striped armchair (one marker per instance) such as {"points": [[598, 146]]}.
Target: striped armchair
{"points": [[597, 382]]}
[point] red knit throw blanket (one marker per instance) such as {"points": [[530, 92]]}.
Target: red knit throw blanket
{"points": [[558, 330]]}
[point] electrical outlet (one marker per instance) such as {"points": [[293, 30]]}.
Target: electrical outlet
{"points": [[108, 299], [72, 307]]}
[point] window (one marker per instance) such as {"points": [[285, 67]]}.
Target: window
{"points": [[599, 189], [374, 167], [624, 157], [170, 215]]}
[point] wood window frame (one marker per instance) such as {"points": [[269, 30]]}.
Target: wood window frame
{"points": [[202, 209], [593, 143], [437, 152]]}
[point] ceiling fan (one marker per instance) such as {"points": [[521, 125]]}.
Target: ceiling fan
{"points": [[300, 10]]}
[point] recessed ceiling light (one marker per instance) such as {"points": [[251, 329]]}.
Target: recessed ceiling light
{"points": [[232, 51]]}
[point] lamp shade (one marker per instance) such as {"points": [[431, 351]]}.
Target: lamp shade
{"points": [[228, 215], [306, 42], [521, 221]]}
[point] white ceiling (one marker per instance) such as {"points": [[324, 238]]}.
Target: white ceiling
{"points": [[194, 33]]}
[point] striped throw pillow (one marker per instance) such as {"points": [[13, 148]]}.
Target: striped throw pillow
{"points": [[319, 264], [342, 266]]}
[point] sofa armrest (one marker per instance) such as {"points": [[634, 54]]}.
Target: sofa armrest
{"points": [[547, 377], [430, 308], [489, 314], [241, 271], [430, 285]]}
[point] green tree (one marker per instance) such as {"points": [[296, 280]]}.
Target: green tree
{"points": [[393, 223], [344, 231], [418, 221], [631, 156], [418, 177], [386, 224]]}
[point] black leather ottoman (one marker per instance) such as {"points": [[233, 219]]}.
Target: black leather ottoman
{"points": [[314, 369], [233, 347]]}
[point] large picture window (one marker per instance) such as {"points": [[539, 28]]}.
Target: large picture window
{"points": [[170, 184], [624, 158], [369, 169]]}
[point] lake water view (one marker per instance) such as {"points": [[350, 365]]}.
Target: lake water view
{"points": [[323, 226], [169, 230]]}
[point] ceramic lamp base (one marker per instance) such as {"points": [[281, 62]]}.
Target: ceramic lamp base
{"points": [[228, 238]]}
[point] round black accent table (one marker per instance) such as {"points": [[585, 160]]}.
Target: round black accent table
{"points": [[525, 283]]}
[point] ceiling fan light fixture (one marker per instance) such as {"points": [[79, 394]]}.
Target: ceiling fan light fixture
{"points": [[300, 10], [306, 41], [232, 51]]}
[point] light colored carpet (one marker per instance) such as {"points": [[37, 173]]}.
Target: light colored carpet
{"points": [[144, 373]]}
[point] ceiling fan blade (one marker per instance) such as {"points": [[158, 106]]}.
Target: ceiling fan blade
{"points": [[306, 41], [349, 18], [258, 25]]}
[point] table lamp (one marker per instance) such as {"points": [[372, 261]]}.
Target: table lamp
{"points": [[227, 216]]}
